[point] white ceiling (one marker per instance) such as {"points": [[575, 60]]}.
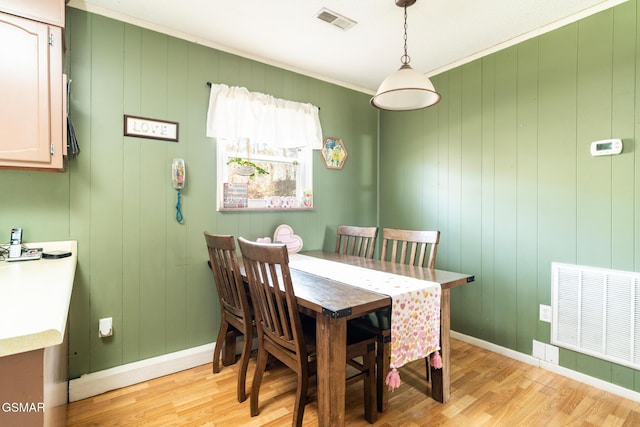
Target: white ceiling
{"points": [[442, 34]]}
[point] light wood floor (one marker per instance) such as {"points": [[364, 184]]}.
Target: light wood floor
{"points": [[487, 390]]}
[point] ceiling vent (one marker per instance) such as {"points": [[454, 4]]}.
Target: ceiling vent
{"points": [[335, 19]]}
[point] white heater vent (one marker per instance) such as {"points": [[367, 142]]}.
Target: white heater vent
{"points": [[335, 19], [597, 312]]}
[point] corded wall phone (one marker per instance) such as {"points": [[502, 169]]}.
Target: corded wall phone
{"points": [[178, 176]]}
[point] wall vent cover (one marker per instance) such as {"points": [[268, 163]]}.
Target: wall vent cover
{"points": [[335, 19], [596, 311]]}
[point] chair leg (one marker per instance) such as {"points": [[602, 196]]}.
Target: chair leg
{"points": [[301, 397], [428, 370], [369, 364], [220, 342], [383, 358], [229, 349], [261, 363], [244, 363]]}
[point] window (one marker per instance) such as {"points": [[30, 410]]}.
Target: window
{"points": [[264, 147], [261, 176]]}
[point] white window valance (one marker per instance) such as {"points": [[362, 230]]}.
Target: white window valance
{"points": [[236, 113]]}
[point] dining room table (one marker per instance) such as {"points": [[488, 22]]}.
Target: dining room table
{"points": [[333, 302]]}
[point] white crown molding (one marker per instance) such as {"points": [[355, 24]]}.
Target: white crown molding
{"points": [[81, 5]]}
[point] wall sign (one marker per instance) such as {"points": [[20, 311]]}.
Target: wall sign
{"points": [[142, 127], [333, 153]]}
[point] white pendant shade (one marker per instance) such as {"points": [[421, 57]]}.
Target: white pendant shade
{"points": [[404, 90]]}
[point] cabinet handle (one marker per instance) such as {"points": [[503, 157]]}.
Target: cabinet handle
{"points": [[50, 39]]}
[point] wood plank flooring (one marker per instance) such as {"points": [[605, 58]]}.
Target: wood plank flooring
{"points": [[487, 390]]}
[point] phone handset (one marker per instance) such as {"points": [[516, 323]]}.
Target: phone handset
{"points": [[178, 176], [15, 247]]}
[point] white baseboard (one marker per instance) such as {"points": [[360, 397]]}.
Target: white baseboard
{"points": [[96, 383], [565, 372]]}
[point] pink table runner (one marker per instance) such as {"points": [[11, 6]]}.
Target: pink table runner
{"points": [[415, 319]]}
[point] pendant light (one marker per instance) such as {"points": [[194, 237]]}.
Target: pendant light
{"points": [[406, 89]]}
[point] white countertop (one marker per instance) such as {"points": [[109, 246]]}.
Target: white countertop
{"points": [[35, 298]]}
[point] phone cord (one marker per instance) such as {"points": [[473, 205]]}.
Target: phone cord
{"points": [[179, 216]]}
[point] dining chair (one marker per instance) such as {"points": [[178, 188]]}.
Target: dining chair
{"points": [[289, 336], [413, 246], [236, 316], [403, 247], [356, 240]]}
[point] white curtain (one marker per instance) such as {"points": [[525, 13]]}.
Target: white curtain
{"points": [[236, 113]]}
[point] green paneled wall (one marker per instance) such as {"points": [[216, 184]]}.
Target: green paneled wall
{"points": [[502, 168], [136, 263]]}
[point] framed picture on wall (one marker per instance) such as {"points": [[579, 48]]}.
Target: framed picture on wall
{"points": [[333, 153], [142, 127]]}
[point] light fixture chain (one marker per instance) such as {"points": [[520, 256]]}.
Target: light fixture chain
{"points": [[405, 58]]}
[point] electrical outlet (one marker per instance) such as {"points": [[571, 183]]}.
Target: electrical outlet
{"points": [[105, 327], [552, 354], [545, 313]]}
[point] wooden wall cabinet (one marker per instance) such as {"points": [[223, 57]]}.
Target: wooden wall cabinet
{"points": [[47, 11], [32, 92]]}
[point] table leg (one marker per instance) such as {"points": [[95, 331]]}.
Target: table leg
{"points": [[331, 348], [441, 378], [383, 358]]}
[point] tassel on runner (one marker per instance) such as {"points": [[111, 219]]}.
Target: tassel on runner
{"points": [[393, 379], [436, 360]]}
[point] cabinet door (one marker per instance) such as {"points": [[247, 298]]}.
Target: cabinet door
{"points": [[28, 90]]}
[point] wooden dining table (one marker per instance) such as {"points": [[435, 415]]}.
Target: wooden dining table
{"points": [[333, 303]]}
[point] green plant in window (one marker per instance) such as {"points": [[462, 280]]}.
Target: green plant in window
{"points": [[246, 167]]}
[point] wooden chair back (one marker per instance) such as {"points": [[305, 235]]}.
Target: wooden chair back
{"points": [[235, 315], [406, 247], [355, 240], [410, 246], [227, 275], [276, 310], [281, 333]]}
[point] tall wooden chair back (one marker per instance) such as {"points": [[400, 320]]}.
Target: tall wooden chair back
{"points": [[277, 319], [235, 308], [355, 240], [284, 334], [276, 309], [406, 247], [410, 246]]}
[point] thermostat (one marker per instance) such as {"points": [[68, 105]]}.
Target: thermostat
{"points": [[606, 147]]}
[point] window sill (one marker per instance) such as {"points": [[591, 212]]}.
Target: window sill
{"points": [[263, 209]]}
